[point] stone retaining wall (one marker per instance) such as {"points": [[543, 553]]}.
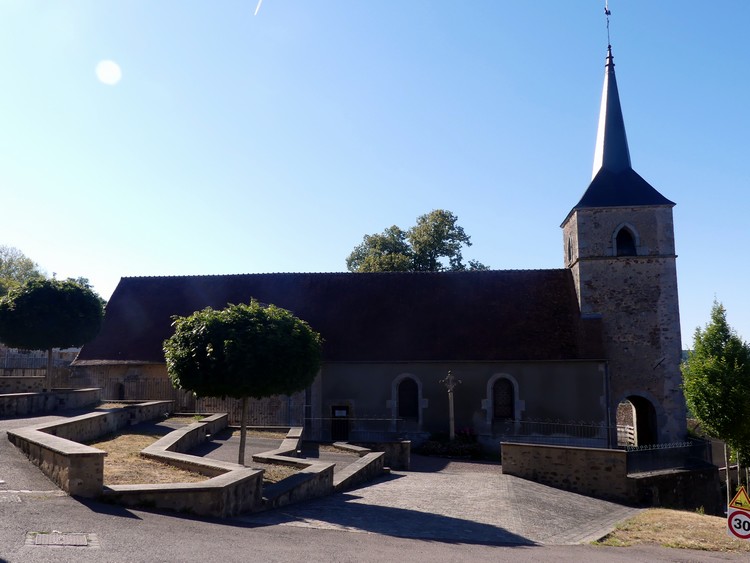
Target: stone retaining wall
{"points": [[590, 471], [231, 490], [22, 404], [314, 481], [78, 469], [18, 384], [397, 454], [603, 473]]}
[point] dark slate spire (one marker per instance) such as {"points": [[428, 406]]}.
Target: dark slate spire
{"points": [[611, 150], [614, 182]]}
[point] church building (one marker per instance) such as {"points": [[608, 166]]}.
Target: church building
{"points": [[542, 355]]}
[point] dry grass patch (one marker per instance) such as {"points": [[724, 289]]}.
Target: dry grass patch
{"points": [[111, 405], [675, 528], [274, 473], [123, 464]]}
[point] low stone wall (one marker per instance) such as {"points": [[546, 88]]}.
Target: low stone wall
{"points": [[231, 490], [230, 494], [22, 404], [603, 473], [681, 488], [18, 384], [75, 468], [366, 468], [314, 481], [397, 454], [93, 425], [597, 472]]}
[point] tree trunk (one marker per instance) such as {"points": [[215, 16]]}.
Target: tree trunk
{"points": [[726, 465], [48, 375], [243, 431]]}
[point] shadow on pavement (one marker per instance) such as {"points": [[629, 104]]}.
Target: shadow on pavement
{"points": [[340, 513], [108, 509]]}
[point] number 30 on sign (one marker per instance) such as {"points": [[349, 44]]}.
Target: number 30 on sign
{"points": [[738, 515], [739, 524]]}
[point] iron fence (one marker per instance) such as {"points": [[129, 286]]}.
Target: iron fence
{"points": [[584, 434], [655, 457], [354, 429]]}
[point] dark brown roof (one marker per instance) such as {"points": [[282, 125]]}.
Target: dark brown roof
{"points": [[384, 317]]}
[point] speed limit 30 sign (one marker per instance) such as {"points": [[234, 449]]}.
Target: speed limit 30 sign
{"points": [[739, 524]]}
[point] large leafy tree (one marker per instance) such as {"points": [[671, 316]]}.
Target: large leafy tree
{"points": [[241, 351], [44, 314], [434, 244], [716, 383], [384, 252], [16, 268]]}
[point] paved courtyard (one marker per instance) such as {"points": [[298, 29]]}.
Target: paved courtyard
{"points": [[457, 501]]}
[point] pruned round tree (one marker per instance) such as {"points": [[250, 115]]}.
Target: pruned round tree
{"points": [[241, 351], [46, 314]]}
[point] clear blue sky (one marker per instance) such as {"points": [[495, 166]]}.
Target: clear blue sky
{"points": [[237, 143]]}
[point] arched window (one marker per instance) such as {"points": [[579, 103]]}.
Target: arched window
{"points": [[503, 400], [625, 243], [408, 399]]}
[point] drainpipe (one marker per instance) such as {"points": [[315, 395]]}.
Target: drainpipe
{"points": [[607, 398]]}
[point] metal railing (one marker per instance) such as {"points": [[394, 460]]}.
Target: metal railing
{"points": [[676, 455], [355, 429], [583, 434]]}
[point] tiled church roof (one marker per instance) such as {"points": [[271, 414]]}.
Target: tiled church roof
{"points": [[379, 317]]}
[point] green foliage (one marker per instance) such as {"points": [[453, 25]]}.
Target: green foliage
{"points": [[716, 382], [384, 252], [43, 314], [242, 351], [16, 268], [436, 237]]}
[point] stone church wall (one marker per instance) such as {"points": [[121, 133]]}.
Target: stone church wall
{"points": [[637, 298]]}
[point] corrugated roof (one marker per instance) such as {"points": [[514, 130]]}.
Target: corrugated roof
{"points": [[379, 317]]}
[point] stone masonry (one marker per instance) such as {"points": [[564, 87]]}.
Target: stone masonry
{"points": [[636, 297]]}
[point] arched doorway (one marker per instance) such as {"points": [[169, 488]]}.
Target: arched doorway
{"points": [[503, 400], [636, 413], [408, 399]]}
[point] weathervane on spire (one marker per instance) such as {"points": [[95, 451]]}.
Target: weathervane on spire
{"points": [[607, 13]]}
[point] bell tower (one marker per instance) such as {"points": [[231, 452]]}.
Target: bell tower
{"points": [[619, 245]]}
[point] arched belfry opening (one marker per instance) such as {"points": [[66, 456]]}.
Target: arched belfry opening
{"points": [[625, 242], [636, 422]]}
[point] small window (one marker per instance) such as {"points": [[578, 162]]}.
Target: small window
{"points": [[408, 399], [625, 243], [502, 400], [570, 250]]}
